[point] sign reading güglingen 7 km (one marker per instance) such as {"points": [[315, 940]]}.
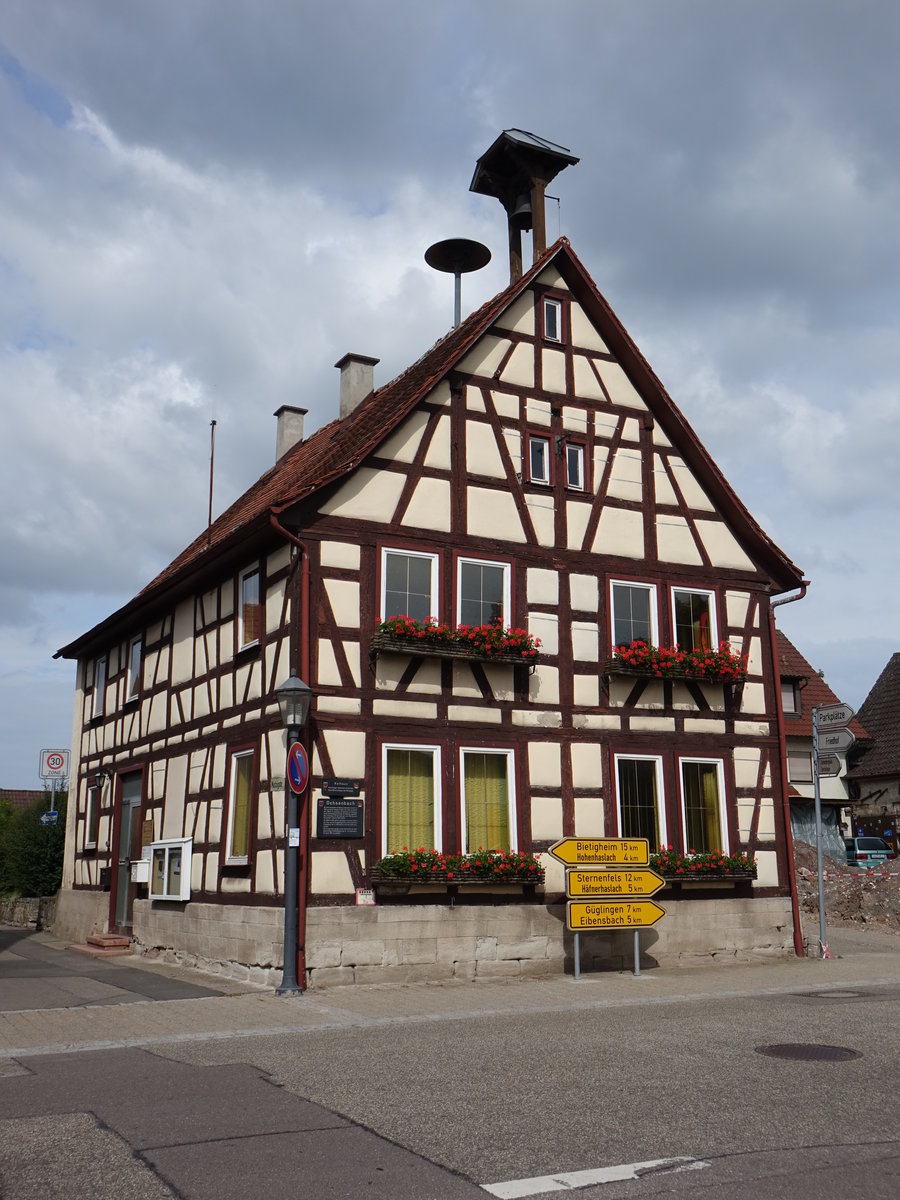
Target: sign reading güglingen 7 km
{"points": [[612, 914], [625, 852]]}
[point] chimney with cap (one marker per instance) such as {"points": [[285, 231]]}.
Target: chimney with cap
{"points": [[290, 428], [357, 380]]}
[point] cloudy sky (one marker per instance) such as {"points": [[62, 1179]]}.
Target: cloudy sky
{"points": [[205, 203]]}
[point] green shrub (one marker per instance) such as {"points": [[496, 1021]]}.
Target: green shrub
{"points": [[31, 854]]}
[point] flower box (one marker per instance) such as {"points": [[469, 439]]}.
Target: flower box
{"points": [[436, 879], [432, 868], [386, 643], [723, 665], [708, 876]]}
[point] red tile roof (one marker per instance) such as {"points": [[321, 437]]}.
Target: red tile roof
{"points": [[880, 711], [337, 448], [814, 691], [22, 797]]}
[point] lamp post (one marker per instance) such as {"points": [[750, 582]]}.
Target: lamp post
{"points": [[294, 698]]}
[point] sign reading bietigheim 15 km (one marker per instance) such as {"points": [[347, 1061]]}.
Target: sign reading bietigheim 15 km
{"points": [[578, 852]]}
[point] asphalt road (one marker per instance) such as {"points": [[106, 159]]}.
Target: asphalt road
{"points": [[433, 1092]]}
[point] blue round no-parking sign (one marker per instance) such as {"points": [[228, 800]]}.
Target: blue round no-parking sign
{"points": [[298, 769]]}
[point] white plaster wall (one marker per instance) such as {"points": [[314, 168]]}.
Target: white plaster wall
{"points": [[343, 595], [578, 514], [403, 444], [586, 383], [485, 356], [482, 455], [584, 335], [342, 555], [543, 685], [553, 370], [587, 764], [437, 456], [546, 818], [620, 531], [736, 605], [722, 546], [519, 316], [584, 593], [691, 490], [675, 541], [746, 766], [665, 493], [546, 627], [620, 388], [429, 506], [176, 793], [544, 764], [589, 820], [330, 872], [625, 478], [507, 405], [542, 586], [586, 690], [367, 495], [543, 517], [183, 642], [585, 641], [493, 511]]}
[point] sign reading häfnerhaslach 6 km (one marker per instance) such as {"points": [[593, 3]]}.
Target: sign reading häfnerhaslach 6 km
{"points": [[612, 914], [639, 882], [598, 852]]}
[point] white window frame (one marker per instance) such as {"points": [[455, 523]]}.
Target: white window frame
{"points": [[806, 755], [135, 671], [713, 616], [98, 692], [654, 602], [91, 808], [424, 748], [163, 849], [432, 558], [575, 484], [243, 642], [656, 759], [231, 859], [545, 479], [507, 586], [723, 808], [510, 756], [550, 304]]}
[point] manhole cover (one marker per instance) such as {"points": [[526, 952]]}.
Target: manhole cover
{"points": [[836, 994], [809, 1052]]}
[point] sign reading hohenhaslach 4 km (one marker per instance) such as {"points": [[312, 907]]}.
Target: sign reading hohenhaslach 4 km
{"points": [[834, 716], [598, 852], [612, 914], [642, 881]]}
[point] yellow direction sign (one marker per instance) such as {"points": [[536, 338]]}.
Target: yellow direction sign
{"points": [[640, 882], [612, 914], [586, 852]]}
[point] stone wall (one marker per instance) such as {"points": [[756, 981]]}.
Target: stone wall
{"points": [[28, 912], [80, 913], [426, 943]]}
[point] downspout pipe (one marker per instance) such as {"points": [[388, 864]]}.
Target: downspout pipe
{"points": [[303, 882], [782, 750]]}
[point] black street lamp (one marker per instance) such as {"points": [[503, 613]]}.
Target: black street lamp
{"points": [[294, 697]]}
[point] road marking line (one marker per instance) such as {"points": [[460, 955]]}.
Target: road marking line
{"points": [[515, 1189]]}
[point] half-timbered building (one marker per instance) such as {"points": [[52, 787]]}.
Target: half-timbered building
{"points": [[530, 470]]}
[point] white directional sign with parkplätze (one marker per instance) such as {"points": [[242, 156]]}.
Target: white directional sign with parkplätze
{"points": [[834, 716]]}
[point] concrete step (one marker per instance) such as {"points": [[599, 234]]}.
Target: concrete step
{"points": [[102, 951], [106, 941]]}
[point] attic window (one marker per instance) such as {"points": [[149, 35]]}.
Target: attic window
{"points": [[552, 320]]}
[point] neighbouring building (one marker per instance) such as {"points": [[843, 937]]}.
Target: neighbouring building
{"points": [[875, 771], [529, 469], [802, 690]]}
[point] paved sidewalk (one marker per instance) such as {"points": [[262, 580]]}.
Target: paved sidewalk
{"points": [[862, 959]]}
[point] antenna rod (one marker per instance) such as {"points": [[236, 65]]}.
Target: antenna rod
{"points": [[212, 462]]}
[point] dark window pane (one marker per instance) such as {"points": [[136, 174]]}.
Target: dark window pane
{"points": [[692, 621], [631, 614], [637, 800]]}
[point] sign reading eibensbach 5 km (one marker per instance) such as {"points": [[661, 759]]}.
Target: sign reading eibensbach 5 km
{"points": [[620, 871]]}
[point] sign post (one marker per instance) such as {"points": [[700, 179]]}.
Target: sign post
{"points": [[54, 766], [830, 733], [609, 883]]}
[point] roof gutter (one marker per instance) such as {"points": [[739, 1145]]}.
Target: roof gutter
{"points": [[782, 750]]}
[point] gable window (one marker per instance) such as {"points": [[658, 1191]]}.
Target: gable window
{"points": [[240, 804], [640, 793], [488, 800], [98, 695], [575, 466], [553, 320], [250, 616], [633, 613], [702, 805], [694, 618], [409, 584], [483, 597], [799, 766], [135, 663], [92, 817], [538, 459], [410, 789], [790, 697]]}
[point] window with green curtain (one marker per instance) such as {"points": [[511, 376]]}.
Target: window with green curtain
{"points": [[701, 806], [638, 800], [241, 793], [410, 799], [486, 792]]}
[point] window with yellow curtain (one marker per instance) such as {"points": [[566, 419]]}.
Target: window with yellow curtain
{"points": [[702, 809], [239, 806], [487, 789], [640, 812], [695, 619], [409, 790]]}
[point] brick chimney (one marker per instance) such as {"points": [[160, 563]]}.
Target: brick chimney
{"points": [[290, 428], [357, 380]]}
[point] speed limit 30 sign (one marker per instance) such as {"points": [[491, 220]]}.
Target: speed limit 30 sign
{"points": [[54, 764]]}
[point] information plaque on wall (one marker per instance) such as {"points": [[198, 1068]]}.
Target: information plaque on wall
{"points": [[339, 817]]}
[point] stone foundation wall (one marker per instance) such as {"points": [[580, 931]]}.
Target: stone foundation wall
{"points": [[426, 943], [79, 914], [28, 912]]}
